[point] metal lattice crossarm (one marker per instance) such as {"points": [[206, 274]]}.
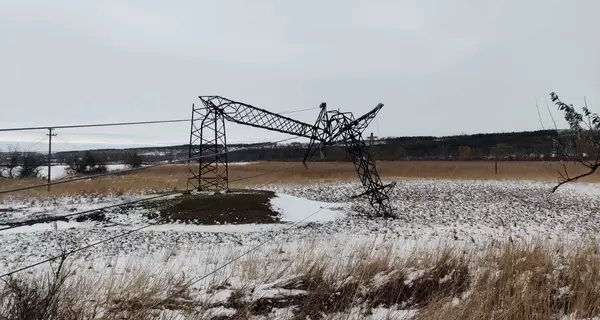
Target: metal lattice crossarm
{"points": [[208, 138], [246, 114]]}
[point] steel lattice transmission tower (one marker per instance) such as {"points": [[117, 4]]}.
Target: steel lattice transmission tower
{"points": [[208, 141]]}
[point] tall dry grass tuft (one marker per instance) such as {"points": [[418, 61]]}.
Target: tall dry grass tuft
{"points": [[528, 281], [64, 294]]}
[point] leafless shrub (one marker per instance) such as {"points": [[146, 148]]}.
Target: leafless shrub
{"points": [[20, 164], [87, 163], [133, 159]]}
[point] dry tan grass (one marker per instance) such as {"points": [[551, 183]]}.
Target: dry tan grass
{"points": [[505, 281], [174, 177], [529, 282]]}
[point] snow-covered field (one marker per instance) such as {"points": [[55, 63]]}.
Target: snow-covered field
{"points": [[319, 219]]}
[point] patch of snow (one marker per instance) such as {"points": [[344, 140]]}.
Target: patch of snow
{"points": [[455, 301], [573, 316], [273, 293], [240, 163], [62, 171], [413, 275], [295, 209], [385, 314], [219, 312], [282, 313], [219, 297]]}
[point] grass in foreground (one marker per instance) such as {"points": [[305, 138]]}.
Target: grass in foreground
{"points": [[506, 281]]}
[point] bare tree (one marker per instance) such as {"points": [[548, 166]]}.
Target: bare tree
{"points": [[12, 161], [133, 159], [582, 143], [86, 163], [17, 164], [30, 163]]}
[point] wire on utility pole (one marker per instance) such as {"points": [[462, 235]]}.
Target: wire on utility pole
{"points": [[50, 135], [129, 170], [93, 125]]}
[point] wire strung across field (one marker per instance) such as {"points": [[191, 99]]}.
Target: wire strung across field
{"points": [[30, 148], [62, 217], [131, 170], [64, 255], [120, 123], [93, 125], [67, 142], [301, 110], [187, 286], [87, 212]]}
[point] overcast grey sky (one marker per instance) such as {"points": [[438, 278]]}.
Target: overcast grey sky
{"points": [[440, 67]]}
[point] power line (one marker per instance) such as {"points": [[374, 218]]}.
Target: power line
{"points": [[135, 230], [77, 250], [120, 123], [95, 125], [90, 245], [127, 170], [301, 110], [67, 142], [58, 218], [232, 260], [30, 148]]}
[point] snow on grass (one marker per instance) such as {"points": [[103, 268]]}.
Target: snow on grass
{"points": [[433, 214]]}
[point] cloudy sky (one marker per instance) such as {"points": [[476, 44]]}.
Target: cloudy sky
{"points": [[440, 67]]}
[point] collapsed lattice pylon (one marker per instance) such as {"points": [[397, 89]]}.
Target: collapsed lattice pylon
{"points": [[208, 143]]}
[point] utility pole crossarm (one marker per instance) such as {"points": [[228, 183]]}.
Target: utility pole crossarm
{"points": [[246, 114]]}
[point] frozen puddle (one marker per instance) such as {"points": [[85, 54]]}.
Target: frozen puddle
{"points": [[294, 209]]}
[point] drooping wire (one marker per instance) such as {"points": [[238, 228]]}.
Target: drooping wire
{"points": [[64, 255], [130, 170], [19, 224], [30, 148], [94, 125], [296, 111], [76, 250], [67, 142], [120, 123], [188, 285]]}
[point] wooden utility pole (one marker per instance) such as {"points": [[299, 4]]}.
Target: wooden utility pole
{"points": [[496, 165], [50, 135]]}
